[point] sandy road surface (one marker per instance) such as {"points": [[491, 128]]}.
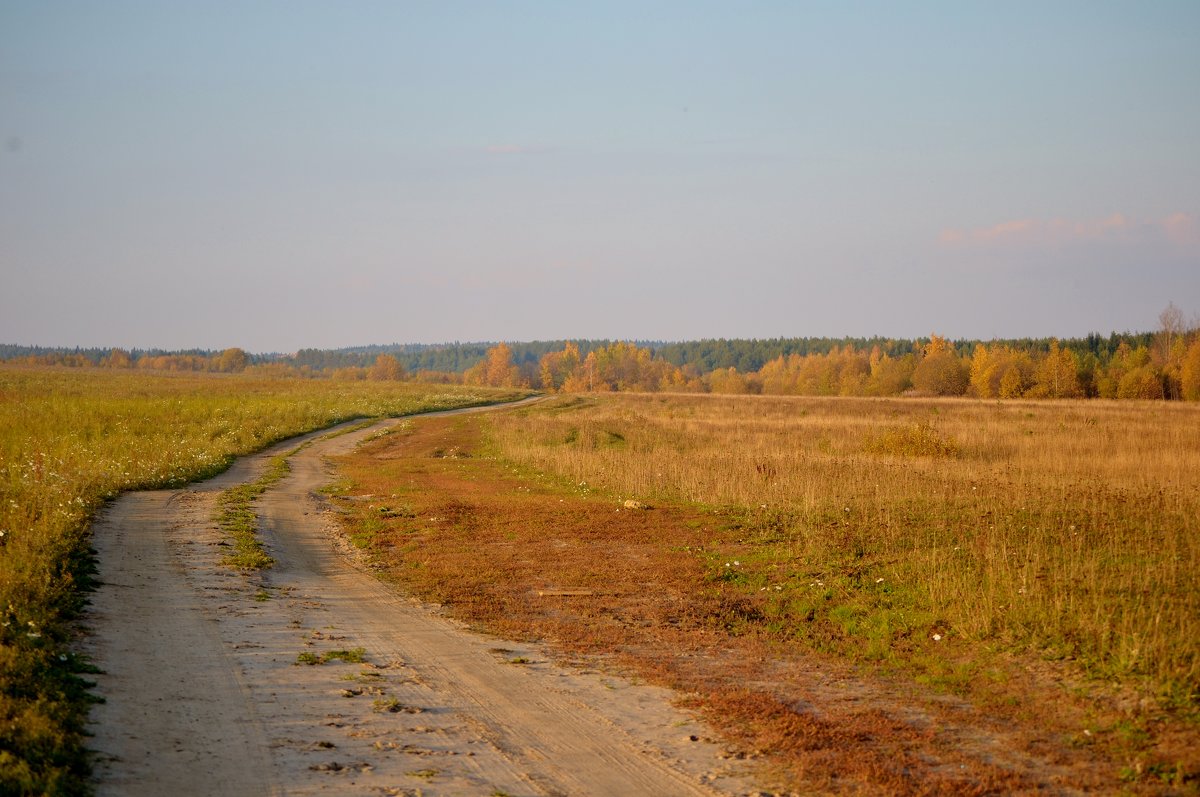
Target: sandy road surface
{"points": [[204, 694]]}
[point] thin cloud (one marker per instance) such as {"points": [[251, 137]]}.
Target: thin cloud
{"points": [[1182, 229]]}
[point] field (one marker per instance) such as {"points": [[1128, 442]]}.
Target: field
{"points": [[964, 561], [71, 440]]}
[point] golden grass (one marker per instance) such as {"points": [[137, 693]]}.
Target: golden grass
{"points": [[894, 529], [70, 440], [764, 632]]}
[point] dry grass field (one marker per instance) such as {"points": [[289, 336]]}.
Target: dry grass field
{"points": [[70, 439], [955, 566], [1069, 529]]}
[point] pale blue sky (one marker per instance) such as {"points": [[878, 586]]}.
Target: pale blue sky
{"points": [[283, 175]]}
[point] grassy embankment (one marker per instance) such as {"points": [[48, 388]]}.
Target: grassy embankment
{"points": [[1009, 553], [71, 440]]}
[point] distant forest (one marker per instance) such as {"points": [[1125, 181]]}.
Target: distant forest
{"points": [[742, 354], [1164, 364]]}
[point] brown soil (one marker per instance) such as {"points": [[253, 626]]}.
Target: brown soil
{"points": [[222, 682], [630, 588]]}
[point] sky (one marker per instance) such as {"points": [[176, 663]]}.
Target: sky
{"points": [[281, 175]]}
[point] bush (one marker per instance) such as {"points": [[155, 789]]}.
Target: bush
{"points": [[918, 440]]}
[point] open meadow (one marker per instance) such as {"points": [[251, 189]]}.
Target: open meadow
{"points": [[984, 559], [72, 439], [1068, 529]]}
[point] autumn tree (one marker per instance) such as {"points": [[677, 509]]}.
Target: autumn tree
{"points": [[1109, 377], [854, 371], [999, 371], [583, 378], [1190, 372], [232, 361], [386, 369], [496, 369], [890, 376], [1171, 330], [1057, 375], [557, 366], [779, 376], [1142, 382], [1131, 374], [117, 358], [940, 372], [728, 381], [1170, 349]]}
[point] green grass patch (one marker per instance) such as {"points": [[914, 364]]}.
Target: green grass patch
{"points": [[236, 516], [351, 656]]}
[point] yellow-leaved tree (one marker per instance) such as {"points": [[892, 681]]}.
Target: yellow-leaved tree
{"points": [[940, 372], [1057, 375], [496, 369], [557, 366], [1190, 372], [232, 361], [386, 368]]}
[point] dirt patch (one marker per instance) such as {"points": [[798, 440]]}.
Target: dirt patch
{"points": [[316, 677], [646, 590]]}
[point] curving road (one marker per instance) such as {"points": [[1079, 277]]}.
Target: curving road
{"points": [[204, 693]]}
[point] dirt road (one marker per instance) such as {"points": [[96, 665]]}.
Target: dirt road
{"points": [[206, 690]]}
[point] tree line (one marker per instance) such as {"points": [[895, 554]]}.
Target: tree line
{"points": [[1152, 365], [936, 368]]}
